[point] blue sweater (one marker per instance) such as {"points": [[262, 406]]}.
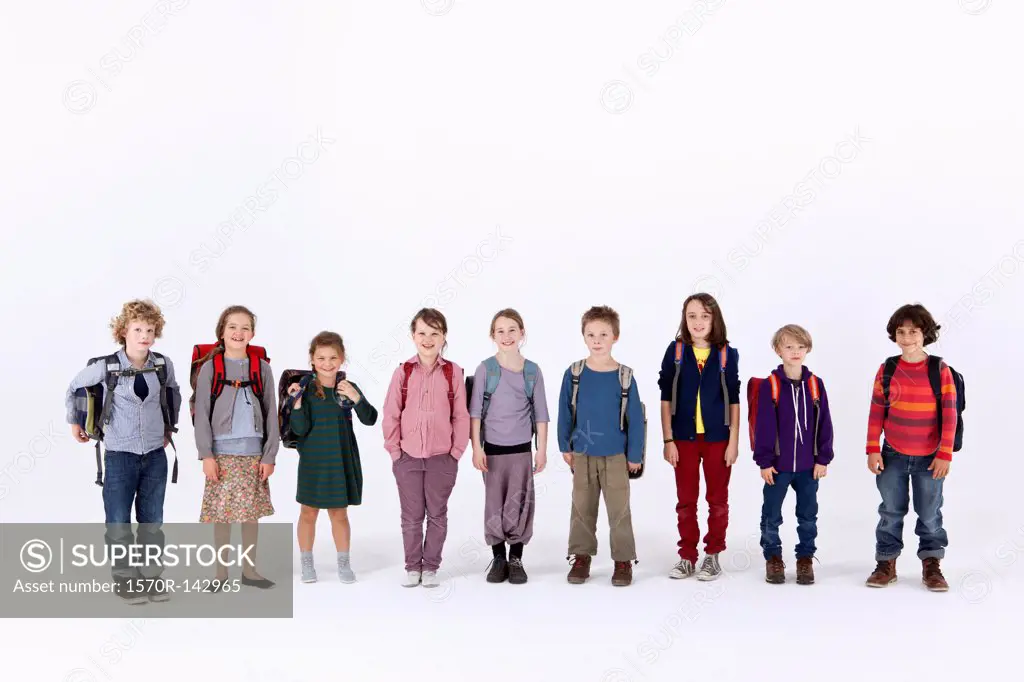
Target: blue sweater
{"points": [[597, 431], [712, 402]]}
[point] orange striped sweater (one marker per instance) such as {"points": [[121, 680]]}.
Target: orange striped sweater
{"points": [[912, 425]]}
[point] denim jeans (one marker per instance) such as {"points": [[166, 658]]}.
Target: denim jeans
{"points": [[138, 480], [806, 488], [902, 473]]}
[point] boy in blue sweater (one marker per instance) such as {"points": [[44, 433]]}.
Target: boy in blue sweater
{"points": [[793, 448], [602, 442]]}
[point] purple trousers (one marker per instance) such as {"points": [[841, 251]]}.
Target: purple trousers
{"points": [[509, 498], [424, 485]]}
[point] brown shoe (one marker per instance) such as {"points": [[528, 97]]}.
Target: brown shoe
{"points": [[580, 571], [884, 575], [805, 571], [623, 574], [775, 571], [932, 576]]}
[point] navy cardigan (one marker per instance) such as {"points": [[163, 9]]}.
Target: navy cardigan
{"points": [[712, 402]]}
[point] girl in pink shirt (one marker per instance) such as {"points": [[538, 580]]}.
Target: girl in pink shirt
{"points": [[426, 430]]}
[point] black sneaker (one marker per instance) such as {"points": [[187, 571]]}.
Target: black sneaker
{"points": [[261, 583], [516, 572], [499, 570], [130, 591]]}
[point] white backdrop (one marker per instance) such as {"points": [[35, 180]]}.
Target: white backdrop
{"points": [[338, 165]]}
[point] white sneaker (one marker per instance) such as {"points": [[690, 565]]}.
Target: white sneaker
{"points": [[683, 569], [430, 579], [710, 569], [412, 579]]}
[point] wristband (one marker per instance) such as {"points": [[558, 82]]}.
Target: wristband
{"points": [[667, 441]]}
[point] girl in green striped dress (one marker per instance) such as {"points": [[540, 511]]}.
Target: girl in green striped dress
{"points": [[330, 476]]}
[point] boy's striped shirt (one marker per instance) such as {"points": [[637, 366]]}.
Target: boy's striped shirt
{"points": [[912, 425]]}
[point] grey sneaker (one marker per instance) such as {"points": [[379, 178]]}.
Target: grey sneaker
{"points": [[710, 569], [345, 573], [683, 569], [412, 579], [308, 572]]}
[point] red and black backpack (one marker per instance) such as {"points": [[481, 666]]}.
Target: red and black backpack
{"points": [[220, 380]]}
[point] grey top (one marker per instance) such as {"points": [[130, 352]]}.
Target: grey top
{"points": [[508, 416], [136, 426], [235, 424]]}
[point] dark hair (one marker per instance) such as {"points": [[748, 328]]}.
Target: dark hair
{"points": [[718, 336], [222, 322], [917, 315], [325, 340], [432, 317], [600, 313]]}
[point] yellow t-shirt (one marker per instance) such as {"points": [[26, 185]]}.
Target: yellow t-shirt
{"points": [[702, 355]]}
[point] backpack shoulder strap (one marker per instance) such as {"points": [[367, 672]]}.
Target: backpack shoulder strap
{"points": [[723, 354], [575, 370], [256, 372], [493, 376], [812, 381], [935, 375], [774, 382], [530, 373], [407, 368], [625, 381], [449, 372], [723, 357]]}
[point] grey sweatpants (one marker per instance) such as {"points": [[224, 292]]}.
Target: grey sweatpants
{"points": [[509, 498]]}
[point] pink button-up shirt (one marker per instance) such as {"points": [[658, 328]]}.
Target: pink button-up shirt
{"points": [[426, 427]]}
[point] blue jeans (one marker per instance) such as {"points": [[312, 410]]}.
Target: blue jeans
{"points": [[140, 480], [806, 488], [901, 473]]}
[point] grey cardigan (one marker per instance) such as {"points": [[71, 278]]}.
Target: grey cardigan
{"points": [[219, 423]]}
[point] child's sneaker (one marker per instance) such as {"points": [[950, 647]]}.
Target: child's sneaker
{"points": [[805, 571], [932, 576], [157, 591], [580, 571], [498, 572], [623, 574], [516, 572], [308, 572], [430, 579], [775, 570], [412, 579], [710, 569], [683, 569], [883, 575], [345, 573]]}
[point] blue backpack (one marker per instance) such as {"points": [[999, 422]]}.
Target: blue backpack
{"points": [[530, 372]]}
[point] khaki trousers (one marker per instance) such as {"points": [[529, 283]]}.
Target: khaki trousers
{"points": [[592, 478]]}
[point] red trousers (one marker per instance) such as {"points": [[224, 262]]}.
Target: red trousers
{"points": [[693, 454]]}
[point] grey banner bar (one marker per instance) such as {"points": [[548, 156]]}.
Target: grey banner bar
{"points": [[71, 570]]}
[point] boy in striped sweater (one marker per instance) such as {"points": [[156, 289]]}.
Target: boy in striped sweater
{"points": [[917, 448]]}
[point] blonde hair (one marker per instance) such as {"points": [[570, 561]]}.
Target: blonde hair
{"points": [[793, 331], [145, 310], [325, 340]]}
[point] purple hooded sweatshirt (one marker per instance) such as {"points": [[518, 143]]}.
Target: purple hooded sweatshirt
{"points": [[794, 424]]}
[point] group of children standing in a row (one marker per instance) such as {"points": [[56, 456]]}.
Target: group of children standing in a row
{"points": [[428, 420]]}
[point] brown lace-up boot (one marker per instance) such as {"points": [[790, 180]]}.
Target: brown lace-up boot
{"points": [[932, 576], [623, 574], [775, 571], [884, 574], [805, 571], [580, 570]]}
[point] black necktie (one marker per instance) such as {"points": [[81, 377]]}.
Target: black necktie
{"points": [[141, 387]]}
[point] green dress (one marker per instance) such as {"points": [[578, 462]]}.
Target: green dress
{"points": [[330, 475]]}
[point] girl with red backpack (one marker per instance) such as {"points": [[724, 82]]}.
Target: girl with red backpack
{"points": [[426, 431]]}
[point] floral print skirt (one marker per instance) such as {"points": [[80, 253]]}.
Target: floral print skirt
{"points": [[239, 496]]}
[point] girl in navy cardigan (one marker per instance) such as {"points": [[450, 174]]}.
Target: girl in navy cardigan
{"points": [[700, 414]]}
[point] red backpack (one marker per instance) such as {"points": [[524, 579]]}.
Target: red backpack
{"points": [[255, 381], [753, 394], [448, 368]]}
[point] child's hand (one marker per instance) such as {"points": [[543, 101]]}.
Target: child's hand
{"points": [[78, 433], [875, 465], [210, 469], [294, 388], [265, 471], [672, 453], [767, 475], [732, 451], [567, 456], [820, 471], [540, 461], [939, 468], [634, 467], [348, 390], [479, 460]]}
